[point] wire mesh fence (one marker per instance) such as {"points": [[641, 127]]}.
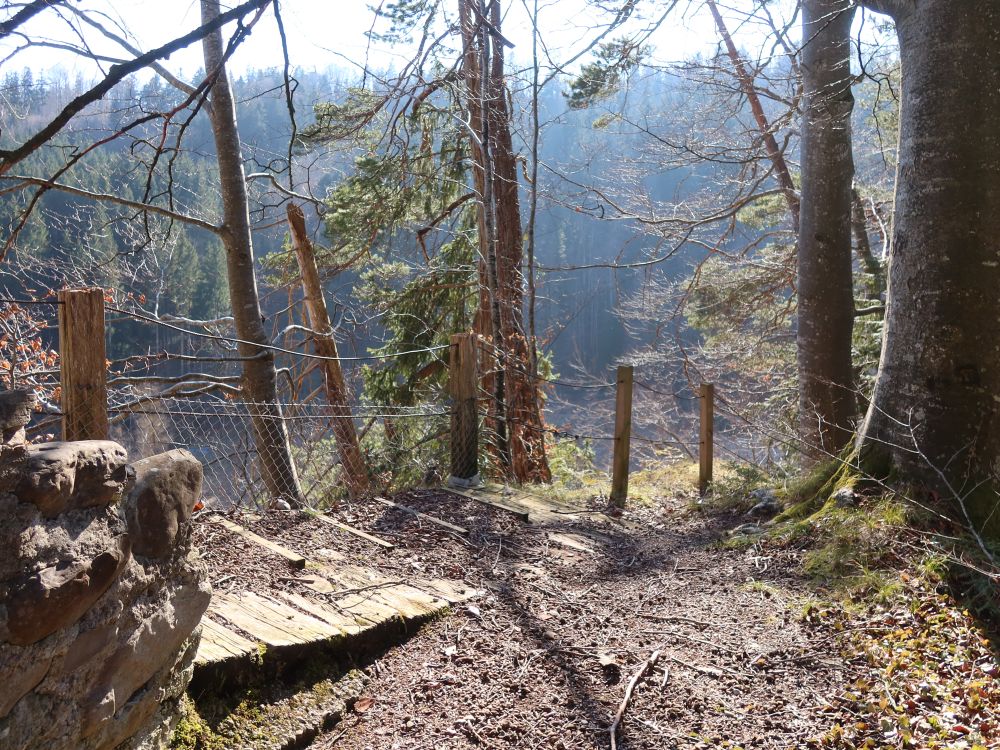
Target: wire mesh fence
{"points": [[193, 399], [399, 445]]}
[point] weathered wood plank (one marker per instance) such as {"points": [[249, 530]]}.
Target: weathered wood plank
{"points": [[366, 593], [451, 591], [294, 558], [488, 498], [573, 541], [272, 622], [423, 516], [219, 643], [351, 530], [349, 624], [290, 618]]}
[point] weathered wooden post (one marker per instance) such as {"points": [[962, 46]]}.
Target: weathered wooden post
{"points": [[462, 386], [82, 364], [623, 437], [706, 445]]}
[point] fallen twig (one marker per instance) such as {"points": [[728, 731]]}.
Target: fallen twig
{"points": [[711, 671], [676, 618], [646, 665]]}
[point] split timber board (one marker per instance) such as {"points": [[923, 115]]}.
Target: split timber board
{"points": [[269, 622], [219, 643], [572, 541], [423, 516], [528, 508], [542, 510], [351, 530], [494, 500], [297, 560]]}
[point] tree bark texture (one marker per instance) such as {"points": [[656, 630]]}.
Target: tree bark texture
{"points": [[827, 399], [501, 244], [935, 414], [352, 461], [274, 456], [529, 461]]}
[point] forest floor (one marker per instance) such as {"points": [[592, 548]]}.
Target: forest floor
{"points": [[750, 650], [544, 659], [835, 631]]}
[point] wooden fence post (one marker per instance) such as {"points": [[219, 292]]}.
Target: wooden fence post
{"points": [[623, 437], [82, 365], [706, 446], [462, 385]]}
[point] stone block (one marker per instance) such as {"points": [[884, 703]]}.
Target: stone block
{"points": [[160, 504], [66, 476]]}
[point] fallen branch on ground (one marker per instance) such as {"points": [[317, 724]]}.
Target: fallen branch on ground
{"points": [[646, 665]]}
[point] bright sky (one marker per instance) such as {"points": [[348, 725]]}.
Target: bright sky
{"points": [[325, 33], [332, 32]]}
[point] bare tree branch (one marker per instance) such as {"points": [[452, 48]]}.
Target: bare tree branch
{"points": [[117, 73]]}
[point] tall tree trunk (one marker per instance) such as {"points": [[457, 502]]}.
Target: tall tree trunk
{"points": [[478, 48], [827, 399], [863, 246], [472, 79], [351, 459], [935, 414], [528, 459], [482, 324], [274, 455]]}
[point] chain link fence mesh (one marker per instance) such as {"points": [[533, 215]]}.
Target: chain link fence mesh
{"points": [[399, 445]]}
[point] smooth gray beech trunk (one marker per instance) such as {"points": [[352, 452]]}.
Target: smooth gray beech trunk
{"points": [[935, 414], [827, 400], [274, 456]]}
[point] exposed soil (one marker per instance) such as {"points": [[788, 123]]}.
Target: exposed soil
{"points": [[544, 657]]}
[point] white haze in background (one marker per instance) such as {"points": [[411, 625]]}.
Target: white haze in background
{"points": [[332, 33]]}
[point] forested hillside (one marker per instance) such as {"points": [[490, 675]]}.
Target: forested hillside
{"points": [[74, 240]]}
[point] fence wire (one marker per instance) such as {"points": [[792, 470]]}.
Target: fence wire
{"points": [[220, 434], [193, 399]]}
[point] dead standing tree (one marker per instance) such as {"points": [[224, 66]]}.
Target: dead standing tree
{"points": [[514, 389], [351, 458]]}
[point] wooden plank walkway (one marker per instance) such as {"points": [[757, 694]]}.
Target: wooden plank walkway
{"points": [[350, 601], [345, 599]]}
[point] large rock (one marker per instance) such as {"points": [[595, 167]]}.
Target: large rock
{"points": [[20, 676], [67, 476], [16, 408], [96, 643], [154, 643], [159, 507], [59, 595]]}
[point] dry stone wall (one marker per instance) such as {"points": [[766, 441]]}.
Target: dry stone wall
{"points": [[101, 594]]}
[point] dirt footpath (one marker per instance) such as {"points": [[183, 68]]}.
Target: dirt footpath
{"points": [[545, 657]]}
